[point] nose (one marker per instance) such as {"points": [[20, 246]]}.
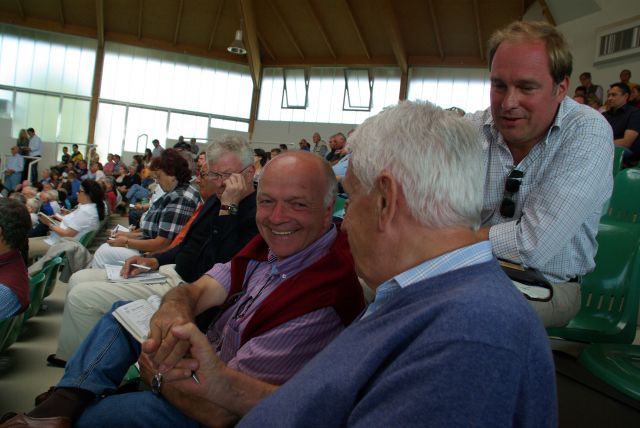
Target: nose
{"points": [[510, 99], [278, 213]]}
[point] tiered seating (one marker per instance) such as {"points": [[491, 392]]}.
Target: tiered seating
{"points": [[611, 294]]}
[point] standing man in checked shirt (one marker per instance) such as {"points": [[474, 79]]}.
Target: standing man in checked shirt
{"points": [[548, 164]]}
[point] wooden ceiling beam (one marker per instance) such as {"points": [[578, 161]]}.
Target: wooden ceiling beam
{"points": [[250, 41], [61, 12], [436, 30], [285, 27], [216, 21], [178, 22], [20, 8], [323, 32], [100, 22], [357, 28], [476, 12], [547, 12], [395, 37], [140, 15], [265, 45]]}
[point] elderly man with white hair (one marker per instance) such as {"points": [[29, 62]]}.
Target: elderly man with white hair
{"points": [[448, 341]]}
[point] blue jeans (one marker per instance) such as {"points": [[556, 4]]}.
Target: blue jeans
{"points": [[11, 181], [99, 365], [137, 193]]}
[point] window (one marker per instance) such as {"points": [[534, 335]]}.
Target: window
{"points": [[110, 129], [188, 126], [141, 121], [326, 96], [467, 89], [358, 90], [36, 111], [296, 85], [74, 121]]}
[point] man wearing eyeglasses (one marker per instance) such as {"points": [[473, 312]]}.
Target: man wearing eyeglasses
{"points": [[283, 297], [222, 224], [625, 122], [548, 163]]}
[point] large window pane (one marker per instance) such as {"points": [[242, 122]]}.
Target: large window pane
{"points": [[45, 61], [464, 88], [36, 111], [189, 126], [358, 90], [110, 129], [326, 96], [74, 121], [296, 84], [140, 121], [230, 125], [176, 81]]}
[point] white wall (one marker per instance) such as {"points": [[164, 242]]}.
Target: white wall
{"points": [[581, 35]]}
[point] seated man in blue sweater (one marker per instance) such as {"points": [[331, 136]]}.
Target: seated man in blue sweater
{"points": [[448, 341]]}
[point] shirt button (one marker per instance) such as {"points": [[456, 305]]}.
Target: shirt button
{"points": [[284, 276]]}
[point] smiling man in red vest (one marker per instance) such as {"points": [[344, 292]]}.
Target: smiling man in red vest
{"points": [[285, 296]]}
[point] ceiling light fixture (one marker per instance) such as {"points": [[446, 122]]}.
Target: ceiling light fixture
{"points": [[237, 47]]}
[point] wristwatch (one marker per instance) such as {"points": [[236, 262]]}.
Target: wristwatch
{"points": [[156, 383], [231, 208]]}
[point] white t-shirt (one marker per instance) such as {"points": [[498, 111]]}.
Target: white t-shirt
{"points": [[83, 219]]}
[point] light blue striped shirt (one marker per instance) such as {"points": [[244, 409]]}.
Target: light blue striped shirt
{"points": [[453, 260], [567, 179]]}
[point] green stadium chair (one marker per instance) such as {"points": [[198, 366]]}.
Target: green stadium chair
{"points": [[51, 269], [339, 207], [616, 364], [624, 204], [611, 293], [87, 239], [12, 332], [617, 160], [36, 294]]}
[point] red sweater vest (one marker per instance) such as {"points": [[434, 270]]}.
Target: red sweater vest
{"points": [[13, 274], [331, 281]]}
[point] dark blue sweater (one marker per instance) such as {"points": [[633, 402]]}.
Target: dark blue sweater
{"points": [[461, 349]]}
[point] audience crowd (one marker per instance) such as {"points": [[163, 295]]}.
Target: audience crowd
{"points": [[264, 319]]}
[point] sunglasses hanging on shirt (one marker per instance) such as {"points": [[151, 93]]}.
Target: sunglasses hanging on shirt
{"points": [[511, 187]]}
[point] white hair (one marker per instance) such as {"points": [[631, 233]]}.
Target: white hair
{"points": [[33, 204], [53, 195], [435, 156], [230, 144]]}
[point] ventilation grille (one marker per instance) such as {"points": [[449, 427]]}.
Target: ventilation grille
{"points": [[618, 42]]}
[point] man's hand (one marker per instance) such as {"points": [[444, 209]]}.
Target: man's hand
{"points": [[236, 189], [128, 270], [162, 346]]}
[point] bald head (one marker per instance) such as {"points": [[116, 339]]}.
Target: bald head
{"points": [[295, 202]]}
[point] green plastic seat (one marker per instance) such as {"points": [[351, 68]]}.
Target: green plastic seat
{"points": [[616, 364], [339, 207], [87, 239], [14, 330], [50, 269], [617, 160], [36, 294], [610, 294], [624, 204], [5, 330]]}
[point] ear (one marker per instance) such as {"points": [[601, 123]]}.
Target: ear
{"points": [[386, 188], [562, 88]]}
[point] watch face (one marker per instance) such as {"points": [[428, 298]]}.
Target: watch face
{"points": [[156, 383]]}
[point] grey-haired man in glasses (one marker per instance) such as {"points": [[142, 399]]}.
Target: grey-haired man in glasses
{"points": [[548, 163]]}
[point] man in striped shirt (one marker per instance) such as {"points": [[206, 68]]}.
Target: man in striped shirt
{"points": [[285, 296]]}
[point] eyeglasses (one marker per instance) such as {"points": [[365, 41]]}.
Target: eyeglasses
{"points": [[218, 175], [511, 187]]}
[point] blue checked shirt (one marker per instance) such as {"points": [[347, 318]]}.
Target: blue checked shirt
{"points": [[567, 180], [456, 259]]}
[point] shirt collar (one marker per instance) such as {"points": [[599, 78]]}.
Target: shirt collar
{"points": [[308, 255]]}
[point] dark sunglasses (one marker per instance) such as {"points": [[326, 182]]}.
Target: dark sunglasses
{"points": [[511, 187]]}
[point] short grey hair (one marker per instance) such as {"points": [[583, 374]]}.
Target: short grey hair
{"points": [[233, 144], [436, 157]]}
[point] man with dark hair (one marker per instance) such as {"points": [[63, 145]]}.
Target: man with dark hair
{"points": [[15, 223], [548, 163], [590, 87], [625, 122], [157, 148]]}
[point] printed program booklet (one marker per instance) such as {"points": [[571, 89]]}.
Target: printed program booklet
{"points": [[113, 275], [135, 316], [530, 282]]}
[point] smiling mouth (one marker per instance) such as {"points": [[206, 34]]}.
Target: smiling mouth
{"points": [[281, 233]]}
